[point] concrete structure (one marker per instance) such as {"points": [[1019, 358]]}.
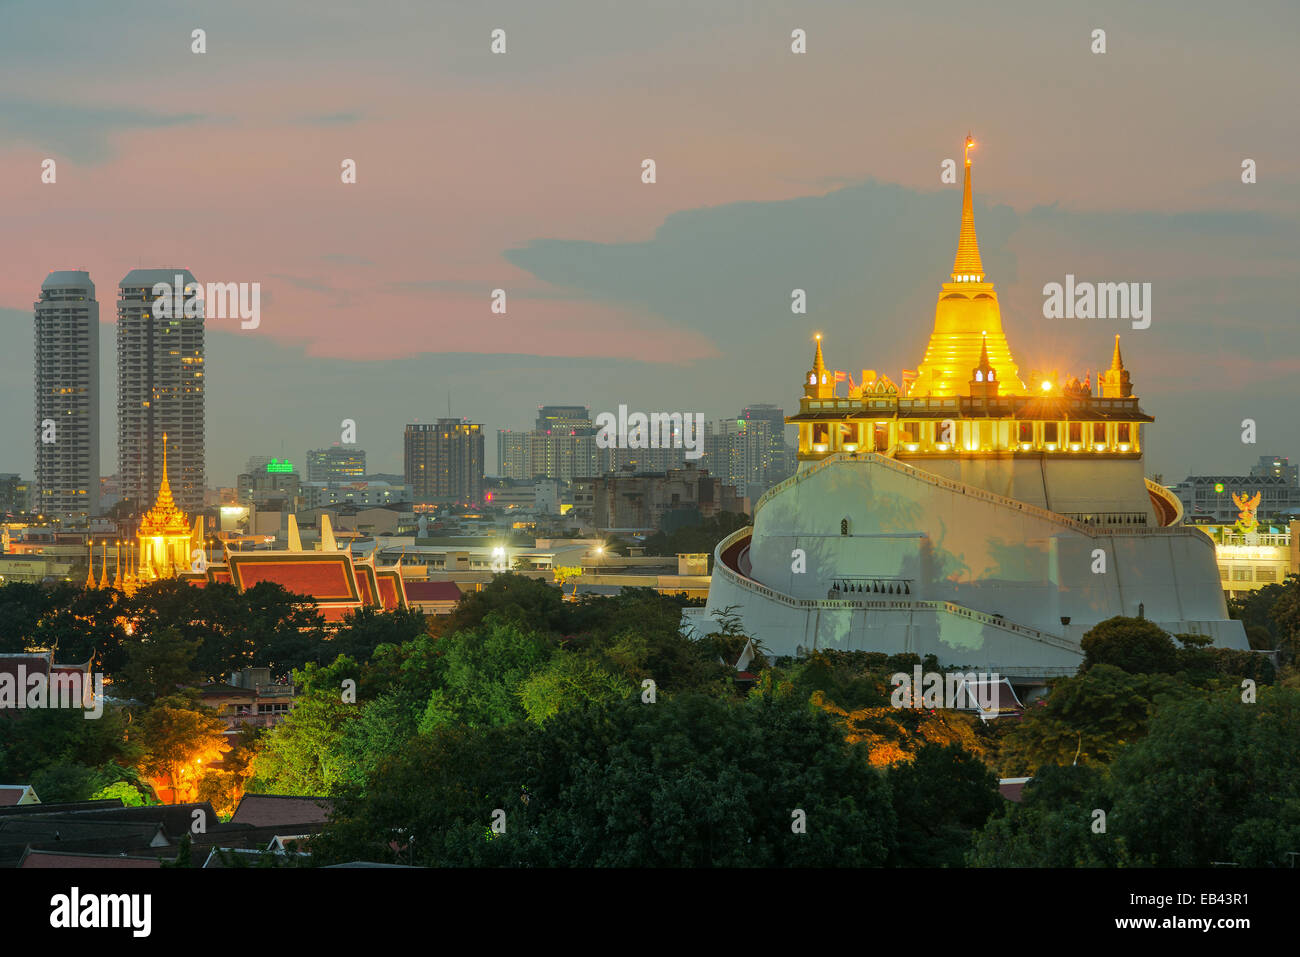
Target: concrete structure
{"points": [[339, 463], [966, 514], [1250, 560], [444, 461], [250, 697], [632, 501], [160, 389], [67, 397], [1210, 497]]}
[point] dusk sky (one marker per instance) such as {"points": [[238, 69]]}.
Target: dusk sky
{"points": [[775, 171]]}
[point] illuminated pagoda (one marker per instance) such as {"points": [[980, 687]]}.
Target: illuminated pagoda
{"points": [[963, 513], [337, 582], [166, 540]]}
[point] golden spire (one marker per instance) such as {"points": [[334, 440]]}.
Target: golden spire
{"points": [[103, 578], [1115, 382], [90, 568], [117, 568], [819, 364], [984, 365], [968, 261]]}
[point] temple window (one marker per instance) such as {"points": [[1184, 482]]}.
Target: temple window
{"points": [[1026, 433], [1076, 431], [1050, 431], [1123, 432]]}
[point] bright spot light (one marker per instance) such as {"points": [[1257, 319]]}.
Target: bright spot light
{"points": [[1047, 387]]}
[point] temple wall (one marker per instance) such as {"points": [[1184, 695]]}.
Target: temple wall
{"points": [[978, 553]]}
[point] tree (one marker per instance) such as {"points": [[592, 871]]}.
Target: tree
{"points": [[1215, 779], [1285, 614], [1086, 720], [158, 664], [941, 798], [1132, 644], [181, 740], [569, 681], [301, 754], [1052, 826]]}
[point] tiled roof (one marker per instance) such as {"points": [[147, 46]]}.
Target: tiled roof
{"points": [[281, 810], [59, 859], [11, 794]]}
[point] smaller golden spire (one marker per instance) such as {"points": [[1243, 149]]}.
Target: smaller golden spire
{"points": [[117, 567], [1116, 383], [819, 364], [103, 578], [90, 558]]}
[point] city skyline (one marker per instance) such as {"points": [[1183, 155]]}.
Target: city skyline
{"points": [[655, 295]]}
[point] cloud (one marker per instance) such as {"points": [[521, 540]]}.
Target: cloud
{"points": [[80, 133]]}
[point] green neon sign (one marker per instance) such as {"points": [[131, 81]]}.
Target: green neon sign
{"points": [[277, 466]]}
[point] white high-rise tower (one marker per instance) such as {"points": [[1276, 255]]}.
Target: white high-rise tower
{"points": [[67, 397]]}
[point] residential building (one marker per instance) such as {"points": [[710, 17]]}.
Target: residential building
{"points": [[444, 461], [160, 392], [67, 397]]}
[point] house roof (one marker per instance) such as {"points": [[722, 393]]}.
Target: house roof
{"points": [[432, 591], [1013, 788], [11, 794], [281, 810], [33, 859]]}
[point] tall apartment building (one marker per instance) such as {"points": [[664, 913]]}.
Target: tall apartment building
{"points": [[444, 461], [338, 463], [160, 387], [512, 455], [67, 396], [741, 453], [780, 457], [561, 446]]}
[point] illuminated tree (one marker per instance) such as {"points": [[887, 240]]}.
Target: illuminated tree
{"points": [[181, 741]]}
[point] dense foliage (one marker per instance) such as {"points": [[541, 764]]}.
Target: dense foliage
{"points": [[527, 730]]}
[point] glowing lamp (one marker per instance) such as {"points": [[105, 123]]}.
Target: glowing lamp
{"points": [[819, 446], [1123, 446], [1075, 446], [1100, 447], [1047, 387], [853, 447]]}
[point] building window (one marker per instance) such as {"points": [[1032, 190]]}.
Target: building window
{"points": [[1026, 433], [1050, 432], [1241, 574], [1265, 573]]}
